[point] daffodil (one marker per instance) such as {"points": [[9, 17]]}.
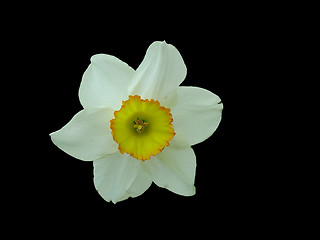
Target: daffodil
{"points": [[138, 126]]}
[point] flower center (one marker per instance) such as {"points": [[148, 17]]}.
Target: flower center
{"points": [[142, 127]]}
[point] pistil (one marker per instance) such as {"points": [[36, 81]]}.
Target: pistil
{"points": [[140, 125]]}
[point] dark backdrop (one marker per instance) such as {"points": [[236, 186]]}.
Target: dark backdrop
{"points": [[220, 51]]}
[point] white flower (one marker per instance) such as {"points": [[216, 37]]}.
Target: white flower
{"points": [[138, 126]]}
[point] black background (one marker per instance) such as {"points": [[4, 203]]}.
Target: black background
{"points": [[220, 50]]}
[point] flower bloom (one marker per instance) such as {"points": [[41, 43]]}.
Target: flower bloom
{"points": [[138, 126]]}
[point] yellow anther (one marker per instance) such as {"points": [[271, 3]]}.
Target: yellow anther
{"points": [[140, 125]]}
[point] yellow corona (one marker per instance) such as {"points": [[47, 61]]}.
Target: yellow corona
{"points": [[142, 127]]}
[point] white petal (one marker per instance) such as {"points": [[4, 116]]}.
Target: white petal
{"points": [[160, 73], [197, 113], [88, 135], [105, 82], [120, 176], [174, 169]]}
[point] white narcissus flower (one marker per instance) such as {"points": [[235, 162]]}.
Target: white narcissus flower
{"points": [[138, 126]]}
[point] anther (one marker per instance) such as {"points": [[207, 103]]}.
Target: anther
{"points": [[140, 125]]}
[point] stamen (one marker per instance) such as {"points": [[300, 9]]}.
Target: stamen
{"points": [[140, 125]]}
